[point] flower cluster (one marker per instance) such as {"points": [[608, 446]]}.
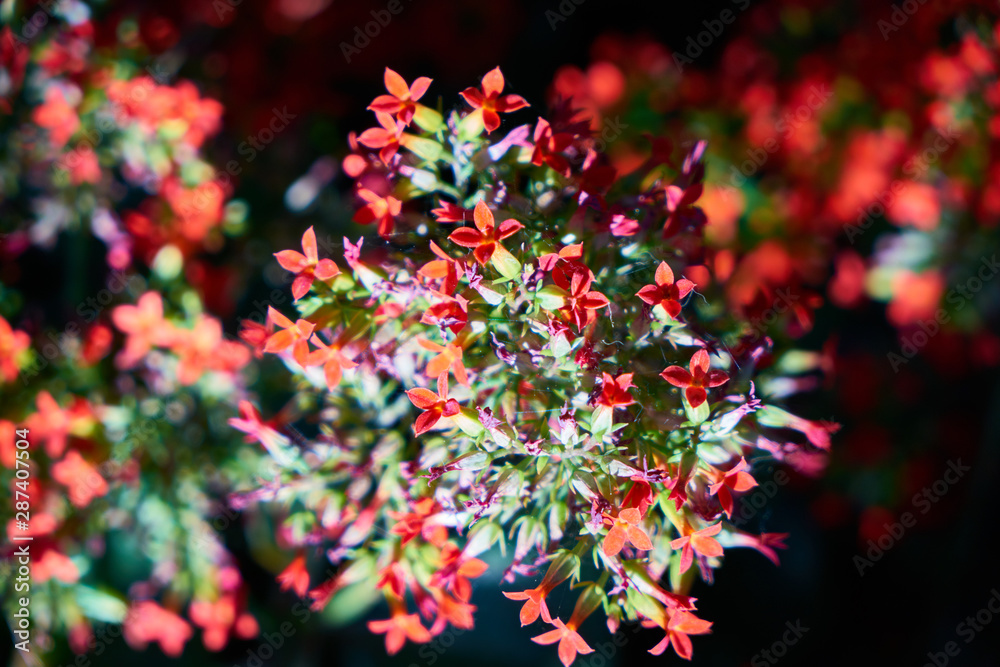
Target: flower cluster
{"points": [[518, 359]]}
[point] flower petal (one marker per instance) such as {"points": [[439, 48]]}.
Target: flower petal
{"points": [[677, 376], [664, 275]]}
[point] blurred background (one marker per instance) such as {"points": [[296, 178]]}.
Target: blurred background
{"points": [[851, 163]]}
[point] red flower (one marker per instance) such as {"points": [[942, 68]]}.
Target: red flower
{"points": [[307, 267], [52, 425], [678, 625], [12, 344], [697, 379], [449, 358], [293, 334], [387, 138], [149, 622], [56, 116], [681, 210], [401, 100], [549, 261], [411, 524], [144, 326], [333, 360], [455, 570], [666, 293], [450, 213], [614, 391], [80, 478], [451, 313], [549, 146], [434, 406], [295, 576], [625, 528], [700, 541], [448, 269], [221, 617], [580, 299], [399, 627], [379, 209], [485, 239], [737, 480], [570, 641], [489, 103]]}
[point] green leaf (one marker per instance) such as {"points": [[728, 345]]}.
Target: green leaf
{"points": [[505, 263], [100, 606], [428, 119], [551, 297], [428, 149], [468, 420]]}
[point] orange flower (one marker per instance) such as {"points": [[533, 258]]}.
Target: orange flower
{"points": [[489, 103], [401, 100], [12, 344], [700, 541], [387, 138], [451, 313], [399, 627], [81, 479], [625, 528], [219, 618], [203, 348], [295, 576], [144, 327], [449, 358], [293, 334], [697, 379], [434, 406], [411, 524], [456, 569], [614, 391], [52, 425], [666, 293], [451, 610], [149, 622], [447, 269], [679, 624], [333, 360], [306, 267], [485, 239], [382, 210], [56, 116], [737, 480]]}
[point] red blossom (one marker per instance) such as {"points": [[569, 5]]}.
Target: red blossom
{"points": [[678, 624], [737, 479], [401, 100], [549, 147], [333, 360], [614, 391], [580, 300], [399, 627], [306, 267], [295, 576], [434, 406], [12, 344], [699, 541], [625, 528], [387, 138], [291, 334], [382, 210], [666, 293], [697, 379], [489, 103], [485, 238]]}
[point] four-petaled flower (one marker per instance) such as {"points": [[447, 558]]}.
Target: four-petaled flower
{"points": [[700, 541], [489, 103], [570, 641], [387, 138], [737, 479], [334, 361], [292, 334], [12, 344], [678, 624], [402, 99], [399, 627], [549, 147], [449, 358], [295, 576], [143, 324], [614, 391], [306, 267], [576, 280], [666, 293], [447, 269], [697, 379], [485, 238], [625, 528], [382, 210], [434, 406]]}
